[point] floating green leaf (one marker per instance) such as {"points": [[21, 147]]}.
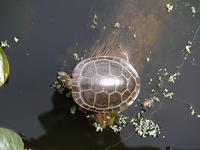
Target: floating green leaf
{"points": [[9, 140], [4, 67]]}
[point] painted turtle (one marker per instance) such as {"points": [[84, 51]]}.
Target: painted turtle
{"points": [[103, 84]]}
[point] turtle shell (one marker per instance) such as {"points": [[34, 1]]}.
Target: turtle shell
{"points": [[105, 84]]}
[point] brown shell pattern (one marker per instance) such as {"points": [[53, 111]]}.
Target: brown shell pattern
{"points": [[105, 84]]}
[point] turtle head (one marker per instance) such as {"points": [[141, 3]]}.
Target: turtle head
{"points": [[64, 79]]}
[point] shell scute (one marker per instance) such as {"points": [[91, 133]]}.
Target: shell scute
{"points": [[89, 70], [102, 67], [101, 100], [122, 86], [88, 97], [115, 69], [85, 84], [115, 99]]}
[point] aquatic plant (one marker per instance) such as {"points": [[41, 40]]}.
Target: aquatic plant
{"points": [[4, 67], [145, 127], [9, 140]]}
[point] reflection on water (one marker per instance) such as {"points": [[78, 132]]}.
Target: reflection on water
{"points": [[64, 130], [48, 32]]}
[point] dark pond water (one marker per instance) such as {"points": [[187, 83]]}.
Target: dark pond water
{"points": [[48, 34]]}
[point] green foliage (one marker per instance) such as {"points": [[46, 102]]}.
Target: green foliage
{"points": [[9, 140], [4, 67]]}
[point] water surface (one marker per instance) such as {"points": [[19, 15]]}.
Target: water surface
{"points": [[49, 33]]}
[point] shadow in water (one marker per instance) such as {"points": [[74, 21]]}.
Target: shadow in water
{"points": [[67, 131]]}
